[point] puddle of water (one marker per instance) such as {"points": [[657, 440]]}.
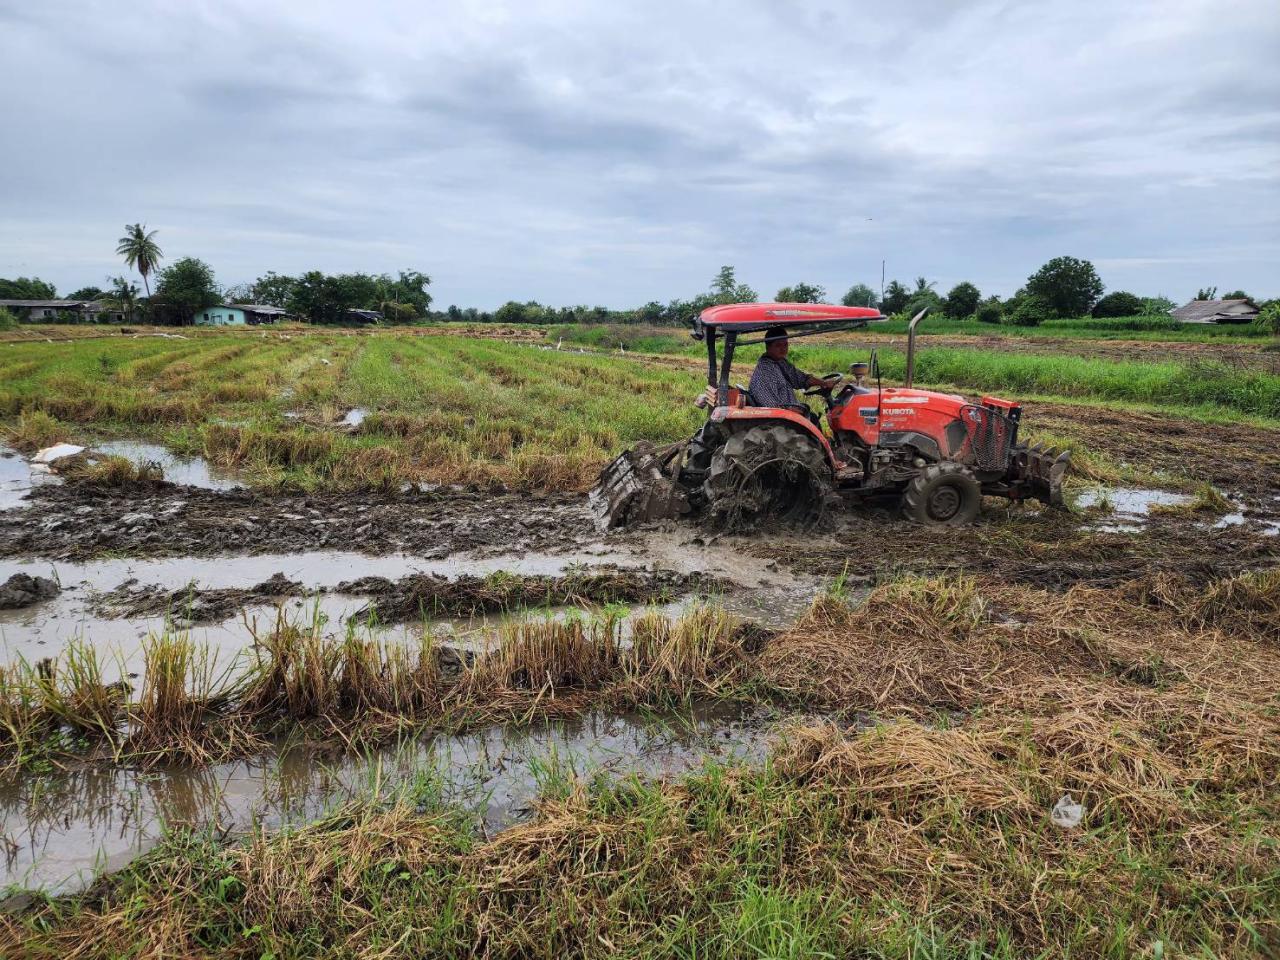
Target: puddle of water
{"points": [[1238, 519], [1130, 501], [17, 478], [355, 417], [188, 471], [59, 830], [1130, 506], [772, 597]]}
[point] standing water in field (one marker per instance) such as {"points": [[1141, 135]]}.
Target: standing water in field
{"points": [[17, 478], [60, 829], [187, 471]]}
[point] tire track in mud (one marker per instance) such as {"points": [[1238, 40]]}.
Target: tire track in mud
{"points": [[79, 522]]}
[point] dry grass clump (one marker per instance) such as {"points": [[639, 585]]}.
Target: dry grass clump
{"points": [[915, 646], [1247, 605], [899, 767], [112, 471], [697, 654], [549, 655], [34, 430], [182, 711], [300, 673]]}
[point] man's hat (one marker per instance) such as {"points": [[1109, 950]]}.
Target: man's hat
{"points": [[775, 333]]}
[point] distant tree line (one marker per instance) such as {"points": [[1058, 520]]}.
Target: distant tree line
{"points": [[1063, 287]]}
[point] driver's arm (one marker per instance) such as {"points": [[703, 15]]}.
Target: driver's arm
{"points": [[816, 382]]}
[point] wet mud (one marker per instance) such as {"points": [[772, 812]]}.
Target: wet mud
{"points": [[416, 597], [76, 522], [23, 590], [1052, 549], [193, 605], [1241, 459]]}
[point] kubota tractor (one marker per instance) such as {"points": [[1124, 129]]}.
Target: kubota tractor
{"points": [[938, 454]]}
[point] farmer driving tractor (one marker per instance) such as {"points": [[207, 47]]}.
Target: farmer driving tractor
{"points": [[775, 379], [763, 454]]}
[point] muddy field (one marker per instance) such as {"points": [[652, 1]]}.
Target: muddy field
{"points": [[210, 663]]}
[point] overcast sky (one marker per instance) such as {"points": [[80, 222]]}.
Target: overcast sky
{"points": [[593, 152]]}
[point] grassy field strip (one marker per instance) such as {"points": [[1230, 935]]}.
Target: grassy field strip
{"points": [[451, 409]]}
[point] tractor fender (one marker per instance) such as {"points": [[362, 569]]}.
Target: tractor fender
{"points": [[743, 418]]}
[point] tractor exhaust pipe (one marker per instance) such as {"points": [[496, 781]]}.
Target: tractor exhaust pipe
{"points": [[911, 347]]}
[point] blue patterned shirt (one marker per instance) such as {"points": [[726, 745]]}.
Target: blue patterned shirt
{"points": [[774, 383]]}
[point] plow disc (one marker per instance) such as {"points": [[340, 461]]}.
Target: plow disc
{"points": [[640, 485], [1041, 471]]}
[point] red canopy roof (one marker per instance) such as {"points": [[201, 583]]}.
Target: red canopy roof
{"points": [[744, 317]]}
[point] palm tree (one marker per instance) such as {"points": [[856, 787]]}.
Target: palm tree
{"points": [[140, 251], [922, 286], [125, 296]]}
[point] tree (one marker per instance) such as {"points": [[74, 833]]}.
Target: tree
{"points": [[408, 289], [726, 289], [140, 251], [88, 293], [272, 289], [859, 295], [124, 296], [1268, 317], [989, 311], [1236, 295], [922, 286], [1121, 303], [1067, 286], [962, 300], [801, 293], [27, 288], [1153, 306], [896, 297], [186, 287], [1030, 311], [321, 299], [1207, 293]]}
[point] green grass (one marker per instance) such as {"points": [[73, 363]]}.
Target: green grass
{"points": [[1151, 329], [442, 409], [455, 409]]}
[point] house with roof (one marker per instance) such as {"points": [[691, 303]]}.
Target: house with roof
{"points": [[1217, 311], [59, 311], [239, 314]]}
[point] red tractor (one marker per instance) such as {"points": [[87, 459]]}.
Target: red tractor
{"points": [[937, 454]]}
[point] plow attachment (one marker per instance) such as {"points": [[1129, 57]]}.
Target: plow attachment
{"points": [[641, 485], [1039, 472]]}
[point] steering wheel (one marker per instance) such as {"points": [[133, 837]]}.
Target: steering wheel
{"points": [[824, 391]]}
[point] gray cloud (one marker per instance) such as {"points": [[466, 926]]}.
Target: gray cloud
{"points": [[576, 152]]}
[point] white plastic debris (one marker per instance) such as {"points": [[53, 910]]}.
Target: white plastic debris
{"points": [[56, 452], [1066, 813], [326, 361]]}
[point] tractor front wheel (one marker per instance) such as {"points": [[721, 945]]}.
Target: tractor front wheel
{"points": [[943, 494]]}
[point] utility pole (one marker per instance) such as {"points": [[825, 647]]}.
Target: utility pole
{"points": [[881, 284]]}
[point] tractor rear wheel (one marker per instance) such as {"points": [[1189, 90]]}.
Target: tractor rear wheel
{"points": [[767, 472], [943, 494]]}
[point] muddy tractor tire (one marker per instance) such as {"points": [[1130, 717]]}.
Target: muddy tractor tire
{"points": [[767, 473], [943, 494]]}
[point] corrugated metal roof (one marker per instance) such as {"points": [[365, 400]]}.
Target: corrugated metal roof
{"points": [[1204, 311], [257, 308], [59, 304]]}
